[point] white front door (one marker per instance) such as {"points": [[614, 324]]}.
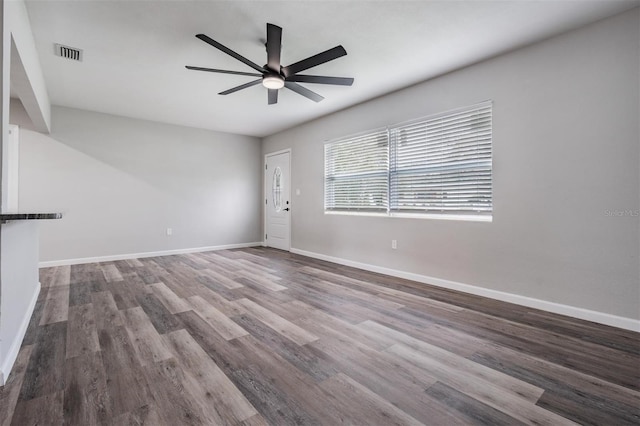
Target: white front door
{"points": [[277, 196]]}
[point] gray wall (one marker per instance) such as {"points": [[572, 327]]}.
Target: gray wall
{"points": [[566, 142], [121, 182]]}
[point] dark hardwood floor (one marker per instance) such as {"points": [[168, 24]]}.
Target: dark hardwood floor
{"points": [[258, 336]]}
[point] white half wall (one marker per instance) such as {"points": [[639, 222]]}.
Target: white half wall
{"points": [[20, 287], [121, 183], [566, 141]]}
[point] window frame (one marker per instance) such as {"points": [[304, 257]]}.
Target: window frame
{"points": [[470, 215]]}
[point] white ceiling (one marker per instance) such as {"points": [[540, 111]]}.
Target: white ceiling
{"points": [[135, 51]]}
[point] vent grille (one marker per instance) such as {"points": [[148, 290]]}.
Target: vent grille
{"points": [[68, 52]]}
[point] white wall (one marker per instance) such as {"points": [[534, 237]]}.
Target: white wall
{"points": [[27, 78], [121, 182], [20, 287], [566, 139]]}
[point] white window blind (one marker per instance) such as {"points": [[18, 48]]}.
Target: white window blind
{"points": [[437, 165], [357, 173], [443, 164]]}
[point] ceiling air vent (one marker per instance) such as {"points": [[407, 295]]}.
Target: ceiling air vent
{"points": [[68, 52]]}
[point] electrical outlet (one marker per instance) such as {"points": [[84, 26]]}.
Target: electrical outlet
{"points": [[169, 231], [394, 244]]}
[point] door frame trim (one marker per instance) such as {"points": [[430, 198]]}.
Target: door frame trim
{"points": [[265, 189]]}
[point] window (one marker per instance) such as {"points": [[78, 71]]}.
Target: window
{"points": [[437, 165], [357, 173]]}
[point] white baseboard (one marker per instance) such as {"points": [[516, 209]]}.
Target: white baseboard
{"points": [[110, 258], [557, 308], [7, 364]]}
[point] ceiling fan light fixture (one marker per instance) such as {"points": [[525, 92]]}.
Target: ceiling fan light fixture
{"points": [[272, 81]]}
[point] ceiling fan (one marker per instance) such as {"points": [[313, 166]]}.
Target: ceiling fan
{"points": [[273, 75]]}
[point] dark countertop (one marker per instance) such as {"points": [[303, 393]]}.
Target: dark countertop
{"points": [[5, 217]]}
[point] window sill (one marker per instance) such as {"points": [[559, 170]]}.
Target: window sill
{"points": [[467, 218], [374, 214]]}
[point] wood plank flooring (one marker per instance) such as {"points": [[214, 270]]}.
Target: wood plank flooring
{"points": [[258, 336]]}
